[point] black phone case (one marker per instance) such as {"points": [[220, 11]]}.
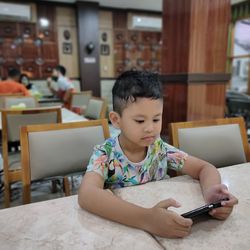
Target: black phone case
{"points": [[202, 210]]}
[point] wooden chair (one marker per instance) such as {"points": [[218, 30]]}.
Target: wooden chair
{"points": [[79, 101], [3, 96], [13, 102], [96, 108], [12, 120], [222, 142], [58, 150]]}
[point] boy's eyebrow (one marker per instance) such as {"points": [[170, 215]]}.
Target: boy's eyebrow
{"points": [[143, 116]]}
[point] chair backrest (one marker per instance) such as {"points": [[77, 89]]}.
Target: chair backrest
{"points": [[59, 149], [12, 120], [80, 99], [26, 101], [96, 108], [3, 96], [222, 142]]}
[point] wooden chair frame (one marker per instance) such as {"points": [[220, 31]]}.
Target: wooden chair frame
{"points": [[174, 127], [11, 176], [25, 152]]}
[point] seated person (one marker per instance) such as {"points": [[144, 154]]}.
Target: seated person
{"points": [[64, 85], [24, 79], [12, 85], [139, 155]]}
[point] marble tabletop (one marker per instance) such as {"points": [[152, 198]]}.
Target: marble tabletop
{"points": [[61, 224], [233, 233]]}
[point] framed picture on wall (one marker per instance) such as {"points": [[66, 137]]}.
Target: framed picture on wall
{"points": [[104, 49], [67, 48]]}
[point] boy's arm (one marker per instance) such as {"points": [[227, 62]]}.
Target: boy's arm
{"points": [[156, 220], [211, 186]]}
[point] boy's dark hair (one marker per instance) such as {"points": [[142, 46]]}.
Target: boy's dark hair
{"points": [[133, 84], [61, 69], [14, 73]]}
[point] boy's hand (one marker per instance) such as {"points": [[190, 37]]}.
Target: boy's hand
{"points": [[216, 193], [166, 223]]}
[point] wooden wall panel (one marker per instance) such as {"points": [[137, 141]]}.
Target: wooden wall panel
{"points": [[209, 24], [175, 36], [175, 103], [194, 47], [66, 22], [206, 101], [106, 41]]}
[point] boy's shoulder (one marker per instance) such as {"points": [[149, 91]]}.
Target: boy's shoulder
{"points": [[108, 146]]}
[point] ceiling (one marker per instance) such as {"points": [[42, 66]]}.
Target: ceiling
{"points": [[154, 5]]}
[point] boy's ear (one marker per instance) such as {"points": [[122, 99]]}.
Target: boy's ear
{"points": [[115, 119]]}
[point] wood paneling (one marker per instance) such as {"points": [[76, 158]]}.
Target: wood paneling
{"points": [[18, 48], [66, 22], [135, 49], [195, 43], [175, 103], [120, 19], [206, 101]]}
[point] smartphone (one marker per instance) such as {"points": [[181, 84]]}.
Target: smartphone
{"points": [[204, 209]]}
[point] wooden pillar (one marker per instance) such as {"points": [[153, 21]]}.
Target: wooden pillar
{"points": [[88, 39], [195, 34]]}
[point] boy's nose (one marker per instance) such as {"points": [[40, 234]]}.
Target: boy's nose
{"points": [[149, 128]]}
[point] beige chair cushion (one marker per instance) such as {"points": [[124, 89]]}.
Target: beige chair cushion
{"points": [[80, 101], [19, 120], [61, 152], [220, 145], [94, 109]]}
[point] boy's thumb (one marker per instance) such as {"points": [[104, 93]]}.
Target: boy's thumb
{"points": [[168, 203]]}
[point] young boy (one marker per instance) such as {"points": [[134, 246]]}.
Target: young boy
{"points": [[138, 155]]}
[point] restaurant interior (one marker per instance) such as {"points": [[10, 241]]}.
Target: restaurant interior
{"points": [[201, 51]]}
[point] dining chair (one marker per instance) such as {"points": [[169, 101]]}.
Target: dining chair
{"points": [[3, 96], [12, 120], [96, 108], [79, 101], [19, 102], [58, 150], [222, 142]]}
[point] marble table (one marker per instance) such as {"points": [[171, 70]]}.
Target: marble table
{"points": [[233, 233], [61, 224]]}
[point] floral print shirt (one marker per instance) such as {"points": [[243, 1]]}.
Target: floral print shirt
{"points": [[117, 170]]}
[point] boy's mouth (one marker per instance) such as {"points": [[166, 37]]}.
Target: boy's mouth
{"points": [[148, 138]]}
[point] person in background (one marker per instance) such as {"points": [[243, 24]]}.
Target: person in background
{"points": [[138, 155], [11, 85], [64, 85], [24, 79]]}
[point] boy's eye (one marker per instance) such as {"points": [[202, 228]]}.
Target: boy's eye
{"points": [[156, 120], [139, 121]]}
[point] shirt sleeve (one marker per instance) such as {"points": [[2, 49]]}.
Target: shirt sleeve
{"points": [[175, 157], [98, 162], [24, 90]]}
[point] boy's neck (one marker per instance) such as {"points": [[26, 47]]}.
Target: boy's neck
{"points": [[133, 152]]}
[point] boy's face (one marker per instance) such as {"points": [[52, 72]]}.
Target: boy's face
{"points": [[140, 122]]}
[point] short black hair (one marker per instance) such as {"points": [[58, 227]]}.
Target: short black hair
{"points": [[14, 73], [133, 84], [61, 69]]}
